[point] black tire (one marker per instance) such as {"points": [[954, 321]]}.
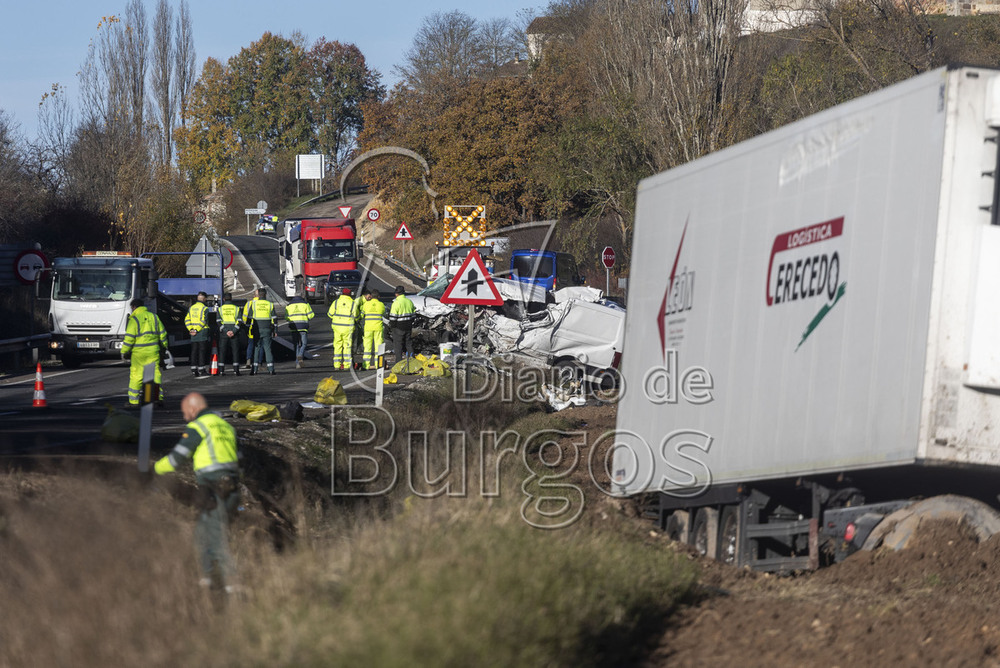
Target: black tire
{"points": [[71, 361], [699, 532], [729, 536]]}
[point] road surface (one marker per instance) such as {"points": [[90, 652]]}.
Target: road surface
{"points": [[78, 399]]}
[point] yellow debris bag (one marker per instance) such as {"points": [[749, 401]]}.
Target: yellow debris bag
{"points": [[410, 365], [436, 367], [391, 379], [255, 411], [330, 392], [120, 427]]}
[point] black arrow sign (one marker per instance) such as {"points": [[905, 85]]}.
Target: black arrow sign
{"points": [[472, 282]]}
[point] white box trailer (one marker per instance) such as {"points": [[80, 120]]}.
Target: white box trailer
{"points": [[814, 325]]}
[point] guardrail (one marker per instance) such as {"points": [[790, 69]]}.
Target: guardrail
{"points": [[416, 276], [353, 190], [23, 343]]}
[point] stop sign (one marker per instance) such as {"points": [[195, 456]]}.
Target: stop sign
{"points": [[608, 257]]}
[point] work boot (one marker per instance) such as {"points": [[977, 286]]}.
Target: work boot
{"points": [[236, 369], [270, 369], [253, 370], [195, 373], [298, 362]]}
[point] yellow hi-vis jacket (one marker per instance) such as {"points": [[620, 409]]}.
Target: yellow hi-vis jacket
{"points": [[372, 311], [195, 318], [212, 442], [246, 319], [144, 332], [299, 314], [229, 317], [342, 312]]}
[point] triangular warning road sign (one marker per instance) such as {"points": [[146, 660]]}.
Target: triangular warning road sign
{"points": [[345, 211], [472, 285], [403, 233]]}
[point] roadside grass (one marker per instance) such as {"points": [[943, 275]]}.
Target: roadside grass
{"points": [[102, 572], [443, 588]]}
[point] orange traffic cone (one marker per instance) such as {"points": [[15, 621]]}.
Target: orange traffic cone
{"points": [[39, 401], [214, 371]]}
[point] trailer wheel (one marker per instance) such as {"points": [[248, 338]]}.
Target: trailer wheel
{"points": [[729, 535], [704, 531]]}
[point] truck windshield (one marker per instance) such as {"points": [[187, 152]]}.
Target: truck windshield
{"points": [[331, 250], [92, 285], [537, 266]]}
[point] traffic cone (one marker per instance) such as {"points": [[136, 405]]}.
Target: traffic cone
{"points": [[39, 401], [214, 371]]}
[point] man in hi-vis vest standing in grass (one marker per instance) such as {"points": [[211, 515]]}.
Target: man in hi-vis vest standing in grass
{"points": [[210, 442]]}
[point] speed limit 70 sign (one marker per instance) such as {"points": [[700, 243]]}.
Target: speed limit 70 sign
{"points": [[373, 215]]}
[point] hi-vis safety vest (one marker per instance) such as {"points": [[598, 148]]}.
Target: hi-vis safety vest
{"points": [[195, 318], [144, 331], [215, 452], [342, 312], [373, 310], [299, 313], [262, 311], [402, 312], [247, 313], [229, 316]]}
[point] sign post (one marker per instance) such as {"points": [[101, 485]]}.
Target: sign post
{"points": [[150, 393], [402, 234], [608, 258], [253, 212]]}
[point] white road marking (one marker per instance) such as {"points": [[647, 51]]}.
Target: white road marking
{"points": [[44, 376]]}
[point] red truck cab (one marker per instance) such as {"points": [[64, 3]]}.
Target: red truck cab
{"points": [[327, 244]]}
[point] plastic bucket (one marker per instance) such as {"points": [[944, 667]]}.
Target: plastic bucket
{"points": [[446, 351]]}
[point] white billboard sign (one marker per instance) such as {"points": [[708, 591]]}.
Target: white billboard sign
{"points": [[310, 166]]}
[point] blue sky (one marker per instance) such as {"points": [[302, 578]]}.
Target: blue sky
{"points": [[42, 43]]}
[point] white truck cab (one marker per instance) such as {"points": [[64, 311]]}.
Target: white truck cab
{"points": [[90, 303]]}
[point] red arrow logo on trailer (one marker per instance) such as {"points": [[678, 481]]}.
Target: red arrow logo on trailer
{"points": [[472, 285]]}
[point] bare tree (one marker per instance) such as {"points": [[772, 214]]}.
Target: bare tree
{"points": [[672, 63], [184, 57], [109, 163], [133, 40], [164, 106], [500, 41], [446, 46]]}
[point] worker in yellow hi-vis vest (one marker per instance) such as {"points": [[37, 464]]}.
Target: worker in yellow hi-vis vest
{"points": [[373, 314], [342, 321], [210, 442], [145, 342]]}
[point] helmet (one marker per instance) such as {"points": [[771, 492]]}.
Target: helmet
{"points": [[346, 291]]}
